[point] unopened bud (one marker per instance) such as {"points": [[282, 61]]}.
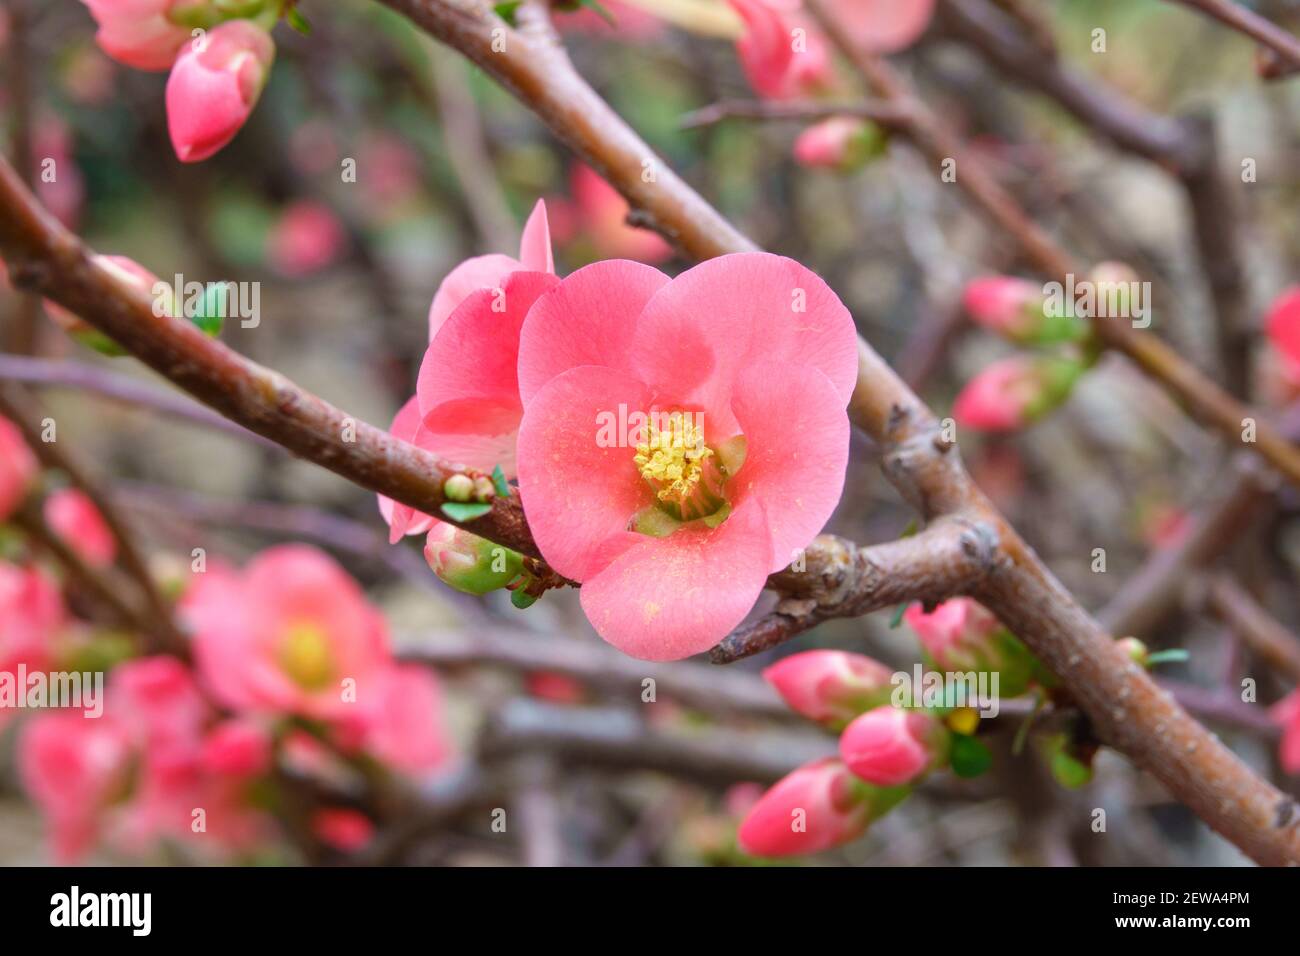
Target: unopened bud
{"points": [[469, 563], [458, 488], [891, 747], [830, 687]]}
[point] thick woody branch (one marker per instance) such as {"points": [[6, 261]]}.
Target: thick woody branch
{"points": [[844, 580], [1127, 708]]}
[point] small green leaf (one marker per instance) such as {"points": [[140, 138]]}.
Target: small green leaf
{"points": [[465, 511], [1070, 772], [1175, 655], [296, 20], [899, 611], [499, 482], [507, 10], [912, 528], [970, 757], [522, 599]]}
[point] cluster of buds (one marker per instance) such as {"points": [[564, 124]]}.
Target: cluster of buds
{"points": [[219, 53]]}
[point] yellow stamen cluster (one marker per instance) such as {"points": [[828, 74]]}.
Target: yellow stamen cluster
{"points": [[672, 459], [305, 655]]}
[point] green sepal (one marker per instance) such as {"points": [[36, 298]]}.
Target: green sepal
{"points": [[465, 510], [969, 756]]}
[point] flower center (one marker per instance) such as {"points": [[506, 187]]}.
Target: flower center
{"points": [[680, 467], [305, 655]]}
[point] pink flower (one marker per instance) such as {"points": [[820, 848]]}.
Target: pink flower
{"points": [[601, 216], [73, 768], [1286, 714], [343, 829], [75, 519], [238, 747], [819, 806], [831, 687], [883, 26], [404, 723], [840, 142], [306, 238], [158, 702], [467, 407], [290, 634], [960, 635], [555, 688], [18, 468], [138, 33], [784, 56], [890, 747], [1012, 393], [31, 616], [1282, 325], [673, 522], [214, 86]]}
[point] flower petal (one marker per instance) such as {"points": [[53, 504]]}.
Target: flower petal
{"points": [[588, 319], [481, 272], [535, 245], [403, 519], [710, 322], [796, 450], [468, 386], [664, 599], [578, 482]]}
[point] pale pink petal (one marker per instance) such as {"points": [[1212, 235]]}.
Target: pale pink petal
{"points": [[711, 321], [579, 486], [403, 519], [588, 319], [664, 599], [535, 245], [481, 272], [796, 450], [468, 385]]}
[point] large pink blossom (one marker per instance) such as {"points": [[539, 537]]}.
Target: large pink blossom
{"points": [[292, 633], [214, 86], [17, 468], [139, 33], [746, 363]]}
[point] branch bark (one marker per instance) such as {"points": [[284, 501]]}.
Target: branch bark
{"points": [[1281, 44]]}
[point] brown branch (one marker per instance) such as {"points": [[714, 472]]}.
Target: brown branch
{"points": [[843, 580], [1201, 396], [1258, 629], [888, 115], [1280, 43], [160, 624]]}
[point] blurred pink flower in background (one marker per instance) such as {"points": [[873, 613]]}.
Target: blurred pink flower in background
{"points": [[390, 171], [18, 468], [345, 830], [784, 56], [834, 143], [239, 747], [598, 215], [402, 723], [138, 33], [1282, 326], [882, 26], [214, 86], [290, 634], [59, 183], [31, 616], [711, 509], [1286, 714], [554, 687], [306, 238], [75, 519], [1014, 392], [1005, 305], [159, 703]]}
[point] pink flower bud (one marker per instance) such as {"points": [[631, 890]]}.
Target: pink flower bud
{"points": [[307, 238], [841, 142], [214, 86], [960, 635], [890, 747], [819, 806], [342, 829], [1006, 305], [74, 518], [1282, 325], [237, 748], [17, 468], [138, 33], [831, 687], [1012, 393], [469, 563]]}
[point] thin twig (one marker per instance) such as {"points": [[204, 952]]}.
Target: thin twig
{"points": [[1282, 44]]}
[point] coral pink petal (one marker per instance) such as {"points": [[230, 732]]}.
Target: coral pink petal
{"points": [[481, 272], [468, 386], [1283, 324], [535, 245], [588, 319], [883, 26], [797, 448], [664, 599], [701, 329], [403, 519], [580, 488]]}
